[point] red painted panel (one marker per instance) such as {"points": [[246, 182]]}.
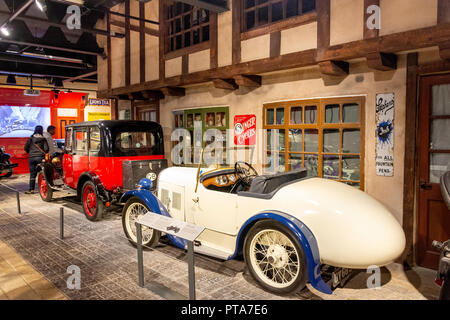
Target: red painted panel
{"points": [[109, 169]]}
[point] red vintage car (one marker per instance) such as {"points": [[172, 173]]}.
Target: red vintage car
{"points": [[101, 160]]}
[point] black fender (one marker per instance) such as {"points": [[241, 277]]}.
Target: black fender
{"points": [[47, 169], [4, 156], [100, 188]]}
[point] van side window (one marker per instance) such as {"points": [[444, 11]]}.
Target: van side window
{"points": [[69, 139], [81, 141], [94, 139]]}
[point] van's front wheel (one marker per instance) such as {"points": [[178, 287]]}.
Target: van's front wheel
{"points": [[93, 206], [134, 208]]}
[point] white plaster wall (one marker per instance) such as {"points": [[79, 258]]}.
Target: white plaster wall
{"points": [[151, 58], [299, 38], [255, 48], [346, 21], [403, 15], [199, 61], [224, 41], [173, 67]]}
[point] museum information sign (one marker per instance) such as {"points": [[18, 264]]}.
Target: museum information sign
{"points": [[385, 106], [171, 226], [245, 130]]}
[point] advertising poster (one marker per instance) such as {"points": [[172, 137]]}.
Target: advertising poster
{"points": [[94, 116], [19, 122], [245, 130], [385, 106]]}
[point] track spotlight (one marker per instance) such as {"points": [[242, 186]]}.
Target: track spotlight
{"points": [[41, 5], [5, 31], [57, 82], [11, 79]]}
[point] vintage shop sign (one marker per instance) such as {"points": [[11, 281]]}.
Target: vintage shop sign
{"points": [[385, 106], [245, 130], [98, 102]]}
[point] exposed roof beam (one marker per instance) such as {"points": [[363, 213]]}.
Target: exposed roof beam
{"points": [[217, 6], [173, 91], [62, 25], [226, 84], [81, 76], [253, 81], [53, 47], [16, 13], [382, 61], [121, 24], [334, 68], [40, 61]]}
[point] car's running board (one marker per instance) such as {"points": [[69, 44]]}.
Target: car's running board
{"points": [[213, 252]]}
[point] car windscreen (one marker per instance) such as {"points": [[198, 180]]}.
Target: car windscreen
{"points": [[132, 143]]}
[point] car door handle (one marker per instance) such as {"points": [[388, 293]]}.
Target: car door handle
{"points": [[425, 186], [196, 200]]}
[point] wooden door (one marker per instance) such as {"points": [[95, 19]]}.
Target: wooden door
{"points": [[434, 161]]}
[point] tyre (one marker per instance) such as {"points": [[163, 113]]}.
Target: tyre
{"points": [[134, 208], [445, 289], [45, 191], [93, 206], [275, 258], [10, 172]]}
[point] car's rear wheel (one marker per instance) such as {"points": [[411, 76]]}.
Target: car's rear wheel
{"points": [[134, 208], [45, 191], [10, 171], [93, 206], [275, 257]]}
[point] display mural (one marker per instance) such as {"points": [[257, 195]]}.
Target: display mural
{"points": [[20, 114], [385, 108]]}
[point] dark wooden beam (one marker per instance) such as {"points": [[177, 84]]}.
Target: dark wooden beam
{"points": [[152, 94], [226, 84], [410, 155], [382, 61], [402, 41], [173, 91], [370, 33], [334, 68], [236, 31], [248, 80], [323, 25], [443, 11], [141, 42], [162, 40], [127, 44], [185, 64], [121, 24], [213, 50], [444, 51], [108, 49], [275, 43]]}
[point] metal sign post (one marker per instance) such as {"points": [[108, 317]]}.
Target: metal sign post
{"points": [[180, 229], [18, 202], [61, 223]]}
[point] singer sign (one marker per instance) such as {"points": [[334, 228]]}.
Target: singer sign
{"points": [[245, 130]]}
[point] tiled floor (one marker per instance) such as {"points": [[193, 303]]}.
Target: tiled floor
{"points": [[20, 281], [109, 269]]}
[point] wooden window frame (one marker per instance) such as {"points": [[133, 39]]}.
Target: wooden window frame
{"points": [[284, 23], [165, 25], [320, 125]]}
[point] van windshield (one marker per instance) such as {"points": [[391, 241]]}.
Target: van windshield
{"points": [[137, 143]]}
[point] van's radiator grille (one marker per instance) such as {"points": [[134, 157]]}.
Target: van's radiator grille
{"points": [[135, 170]]}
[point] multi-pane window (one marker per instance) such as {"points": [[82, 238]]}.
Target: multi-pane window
{"points": [[187, 25], [262, 12], [324, 136]]}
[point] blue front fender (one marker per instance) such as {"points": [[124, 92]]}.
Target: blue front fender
{"points": [[155, 206], [305, 238]]}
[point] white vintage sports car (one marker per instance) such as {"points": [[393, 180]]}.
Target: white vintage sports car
{"points": [[285, 225]]}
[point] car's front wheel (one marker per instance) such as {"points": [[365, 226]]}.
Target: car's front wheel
{"points": [[45, 191], [93, 206], [275, 257], [134, 208]]}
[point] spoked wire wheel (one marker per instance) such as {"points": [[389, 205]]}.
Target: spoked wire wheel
{"points": [[133, 209], [275, 258]]}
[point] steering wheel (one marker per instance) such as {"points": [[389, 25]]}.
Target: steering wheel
{"points": [[245, 172]]}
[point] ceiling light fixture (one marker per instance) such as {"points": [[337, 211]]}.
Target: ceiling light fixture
{"points": [[41, 5], [5, 31]]}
